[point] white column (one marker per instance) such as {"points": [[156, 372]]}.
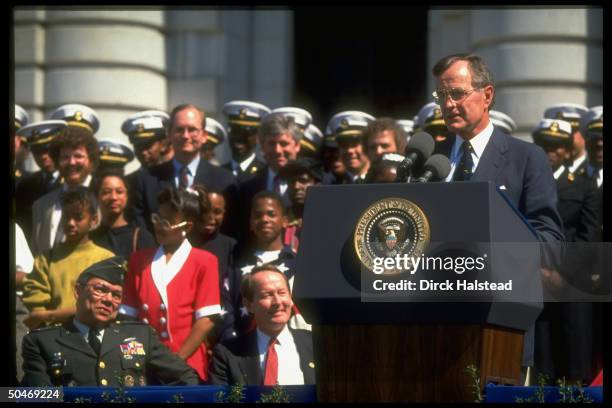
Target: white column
{"points": [[111, 60]]}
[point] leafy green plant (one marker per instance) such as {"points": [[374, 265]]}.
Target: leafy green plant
{"points": [[235, 395], [277, 395], [475, 387], [120, 395]]}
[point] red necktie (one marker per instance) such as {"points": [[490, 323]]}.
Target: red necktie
{"points": [[271, 367]]}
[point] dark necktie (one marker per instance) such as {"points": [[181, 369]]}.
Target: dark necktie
{"points": [[184, 178], [277, 184], [271, 367], [93, 340], [463, 172]]}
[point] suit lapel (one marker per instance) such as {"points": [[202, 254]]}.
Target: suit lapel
{"points": [[493, 158], [74, 340], [303, 343], [249, 365]]}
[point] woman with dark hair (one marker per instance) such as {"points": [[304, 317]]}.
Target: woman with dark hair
{"points": [[116, 233], [175, 287]]}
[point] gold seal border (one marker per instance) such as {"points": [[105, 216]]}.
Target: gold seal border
{"points": [[392, 203]]}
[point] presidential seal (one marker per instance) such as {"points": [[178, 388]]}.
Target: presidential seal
{"points": [[389, 228]]}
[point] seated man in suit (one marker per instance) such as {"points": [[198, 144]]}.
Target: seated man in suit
{"points": [[94, 349], [272, 353]]}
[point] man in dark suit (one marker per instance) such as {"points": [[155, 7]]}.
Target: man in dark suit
{"points": [[187, 134], [272, 353], [564, 329], [96, 350], [480, 152], [39, 137]]}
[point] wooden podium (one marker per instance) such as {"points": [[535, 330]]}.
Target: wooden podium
{"points": [[413, 351]]}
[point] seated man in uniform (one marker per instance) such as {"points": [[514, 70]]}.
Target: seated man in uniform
{"points": [[273, 353], [94, 349]]}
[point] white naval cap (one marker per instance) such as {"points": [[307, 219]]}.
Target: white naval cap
{"points": [[78, 115], [430, 115], [313, 139], [216, 132], [146, 125], [552, 131], [592, 122], [114, 154], [245, 113], [43, 132], [300, 116], [407, 126], [21, 117], [349, 124], [571, 112], [502, 121]]}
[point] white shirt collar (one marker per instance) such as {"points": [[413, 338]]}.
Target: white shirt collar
{"points": [[577, 163], [244, 165], [192, 166], [478, 142], [85, 183], [267, 256], [263, 339], [600, 177], [559, 172]]}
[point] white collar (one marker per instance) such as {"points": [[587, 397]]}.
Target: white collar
{"points": [[244, 165], [267, 256], [192, 166], [163, 272], [559, 172], [85, 183], [478, 142], [577, 162], [263, 340]]}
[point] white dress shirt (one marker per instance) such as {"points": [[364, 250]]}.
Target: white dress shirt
{"points": [[289, 370], [599, 177], [478, 142], [192, 169], [270, 183]]}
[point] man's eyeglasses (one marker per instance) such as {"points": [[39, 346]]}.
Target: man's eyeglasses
{"points": [[100, 290], [456, 94], [165, 224]]}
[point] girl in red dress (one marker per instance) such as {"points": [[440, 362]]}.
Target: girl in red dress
{"points": [[174, 287]]}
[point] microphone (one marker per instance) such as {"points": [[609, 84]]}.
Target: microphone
{"points": [[419, 148], [436, 168]]}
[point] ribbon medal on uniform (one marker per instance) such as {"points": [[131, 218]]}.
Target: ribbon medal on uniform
{"points": [[133, 348]]}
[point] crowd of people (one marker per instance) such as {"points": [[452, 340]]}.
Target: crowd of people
{"points": [[191, 264]]}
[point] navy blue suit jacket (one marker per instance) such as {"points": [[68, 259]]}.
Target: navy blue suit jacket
{"points": [[150, 182], [522, 171]]}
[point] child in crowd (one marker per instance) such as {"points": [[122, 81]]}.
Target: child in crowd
{"points": [[175, 287], [266, 222], [48, 291]]}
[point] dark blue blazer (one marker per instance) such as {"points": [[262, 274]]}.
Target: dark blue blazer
{"points": [[522, 171], [151, 181]]}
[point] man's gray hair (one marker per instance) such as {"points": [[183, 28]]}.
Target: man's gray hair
{"points": [[481, 76], [276, 124]]}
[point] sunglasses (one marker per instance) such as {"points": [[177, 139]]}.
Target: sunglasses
{"points": [[165, 224]]}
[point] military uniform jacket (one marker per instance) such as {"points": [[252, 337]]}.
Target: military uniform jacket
{"points": [[130, 352], [253, 168], [237, 360]]}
